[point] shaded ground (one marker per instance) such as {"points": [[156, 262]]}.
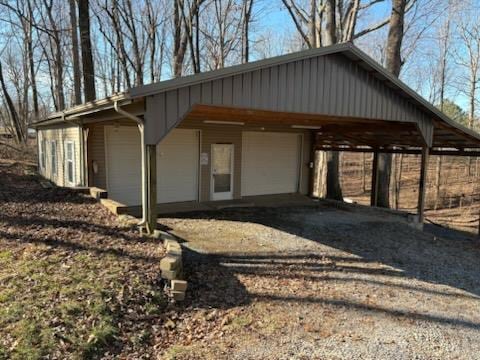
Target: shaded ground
{"points": [[74, 282], [298, 282], [328, 283]]}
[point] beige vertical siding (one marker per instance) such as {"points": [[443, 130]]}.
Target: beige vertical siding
{"points": [[209, 134], [219, 135], [232, 134], [61, 135], [96, 153]]}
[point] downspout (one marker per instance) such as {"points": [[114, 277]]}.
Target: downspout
{"points": [[140, 125], [82, 153]]}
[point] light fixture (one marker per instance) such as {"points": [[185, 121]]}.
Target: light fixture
{"points": [[223, 122], [306, 127]]}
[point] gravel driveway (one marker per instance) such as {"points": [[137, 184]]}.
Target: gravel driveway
{"points": [[326, 283]]}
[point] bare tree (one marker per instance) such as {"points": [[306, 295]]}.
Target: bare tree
{"points": [[247, 6], [183, 22], [86, 47], [393, 64], [77, 77], [15, 119]]}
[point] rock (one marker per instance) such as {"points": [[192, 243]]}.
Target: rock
{"points": [[179, 285]]}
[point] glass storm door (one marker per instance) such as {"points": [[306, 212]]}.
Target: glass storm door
{"points": [[222, 172]]}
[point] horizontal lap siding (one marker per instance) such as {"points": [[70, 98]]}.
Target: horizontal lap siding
{"points": [[329, 85], [61, 135]]}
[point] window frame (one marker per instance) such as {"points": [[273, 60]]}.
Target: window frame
{"points": [[43, 150], [68, 161], [54, 157]]}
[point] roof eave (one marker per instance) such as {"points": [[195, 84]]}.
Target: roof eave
{"points": [[74, 113]]}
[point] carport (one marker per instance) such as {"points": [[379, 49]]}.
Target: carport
{"points": [[259, 125]]}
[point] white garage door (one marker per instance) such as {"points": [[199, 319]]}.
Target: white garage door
{"points": [[177, 165], [270, 163], [123, 156]]}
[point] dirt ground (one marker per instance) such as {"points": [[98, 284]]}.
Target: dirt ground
{"points": [[317, 282], [75, 281], [457, 204], [327, 283]]}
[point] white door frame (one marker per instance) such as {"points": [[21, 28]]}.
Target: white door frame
{"points": [[227, 195]]}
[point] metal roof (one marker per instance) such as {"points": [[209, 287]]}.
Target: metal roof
{"points": [[444, 126]]}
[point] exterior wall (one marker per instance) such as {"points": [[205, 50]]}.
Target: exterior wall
{"points": [[61, 134], [96, 151], [232, 134], [209, 134], [96, 154]]}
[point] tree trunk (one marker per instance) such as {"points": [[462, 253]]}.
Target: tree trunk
{"points": [[334, 190], [438, 172], [312, 34], [247, 12], [77, 79], [31, 64], [331, 23], [180, 39], [19, 135], [394, 65], [86, 46]]}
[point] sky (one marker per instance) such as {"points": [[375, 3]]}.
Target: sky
{"points": [[273, 24]]}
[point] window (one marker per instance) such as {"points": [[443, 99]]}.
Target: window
{"points": [[42, 153], [53, 149], [70, 163]]}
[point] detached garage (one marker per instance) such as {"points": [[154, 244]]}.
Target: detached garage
{"points": [[244, 131]]}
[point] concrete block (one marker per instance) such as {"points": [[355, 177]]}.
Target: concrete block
{"points": [[169, 274], [170, 263], [178, 295], [179, 285], [169, 241], [174, 250]]}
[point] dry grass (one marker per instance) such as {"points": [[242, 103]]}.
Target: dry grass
{"points": [[74, 283]]}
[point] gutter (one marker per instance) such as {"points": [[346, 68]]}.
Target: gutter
{"points": [[141, 128]]}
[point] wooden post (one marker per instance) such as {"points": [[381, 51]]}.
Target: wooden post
{"points": [[479, 225], [151, 154], [374, 187], [421, 185], [311, 166]]}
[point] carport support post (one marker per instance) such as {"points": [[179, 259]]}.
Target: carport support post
{"points": [[151, 177], [421, 186], [374, 187], [312, 168]]}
